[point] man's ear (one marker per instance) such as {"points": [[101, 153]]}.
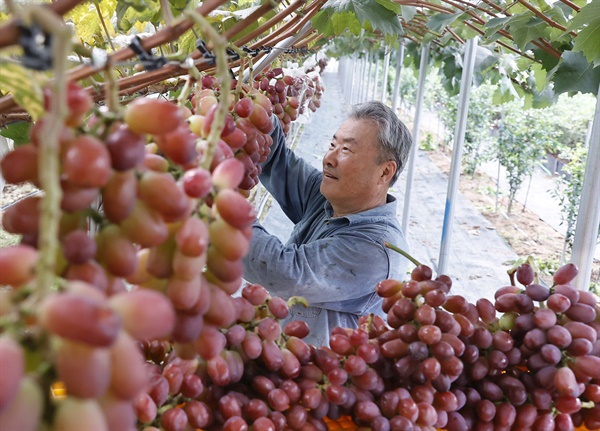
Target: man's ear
{"points": [[389, 169]]}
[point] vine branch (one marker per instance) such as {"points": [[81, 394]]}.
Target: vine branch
{"points": [[219, 45]]}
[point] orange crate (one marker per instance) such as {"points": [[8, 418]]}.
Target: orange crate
{"points": [[345, 424], [342, 424]]}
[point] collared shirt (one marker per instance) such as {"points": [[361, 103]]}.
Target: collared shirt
{"points": [[335, 263]]}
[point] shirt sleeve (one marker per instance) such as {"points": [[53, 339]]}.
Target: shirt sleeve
{"points": [[325, 272], [289, 179]]}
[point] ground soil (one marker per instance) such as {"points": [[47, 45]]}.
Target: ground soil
{"points": [[526, 233]]}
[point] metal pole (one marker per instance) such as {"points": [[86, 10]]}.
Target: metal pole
{"points": [[399, 60], [355, 75], [588, 217], [459, 138], [415, 146], [386, 66], [368, 77], [375, 78], [352, 90], [278, 50], [348, 83], [343, 73], [359, 81]]}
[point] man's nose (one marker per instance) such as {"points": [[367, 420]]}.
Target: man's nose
{"points": [[329, 159]]}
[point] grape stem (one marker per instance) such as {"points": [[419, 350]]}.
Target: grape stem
{"points": [[194, 75], [48, 162], [536, 276], [112, 89], [219, 44], [402, 252]]}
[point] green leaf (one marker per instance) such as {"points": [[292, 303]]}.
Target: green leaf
{"points": [[322, 22], [393, 6], [525, 27], [85, 13], [408, 12], [540, 75], [346, 21], [484, 59], [25, 85], [179, 6], [527, 100], [495, 24], [187, 43], [428, 37], [447, 37], [379, 17], [588, 38], [18, 132], [557, 14], [507, 88], [588, 14], [549, 62], [545, 98], [439, 21], [574, 73]]}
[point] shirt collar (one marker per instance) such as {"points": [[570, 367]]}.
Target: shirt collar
{"points": [[384, 211]]}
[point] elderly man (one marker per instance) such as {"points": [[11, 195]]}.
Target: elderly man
{"points": [[335, 255]]}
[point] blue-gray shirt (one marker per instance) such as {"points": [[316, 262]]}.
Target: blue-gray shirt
{"points": [[333, 262]]}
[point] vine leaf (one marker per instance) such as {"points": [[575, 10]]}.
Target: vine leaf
{"points": [[87, 22], [187, 43], [588, 38], [495, 24], [393, 6], [336, 24], [130, 12], [484, 59], [439, 21], [544, 98], [525, 27], [18, 132], [380, 15], [25, 85], [408, 12], [574, 73]]}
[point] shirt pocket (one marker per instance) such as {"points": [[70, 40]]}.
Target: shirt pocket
{"points": [[299, 311]]}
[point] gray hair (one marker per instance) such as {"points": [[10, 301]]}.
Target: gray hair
{"points": [[394, 138]]}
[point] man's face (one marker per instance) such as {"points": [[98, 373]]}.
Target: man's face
{"points": [[352, 180]]}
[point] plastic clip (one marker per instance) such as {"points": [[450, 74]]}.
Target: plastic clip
{"points": [[37, 47], [233, 55], [201, 46], [149, 61], [252, 52]]}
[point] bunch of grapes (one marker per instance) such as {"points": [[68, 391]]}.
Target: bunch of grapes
{"points": [[279, 88], [309, 89], [150, 251], [247, 125], [242, 376], [248, 122], [552, 379]]}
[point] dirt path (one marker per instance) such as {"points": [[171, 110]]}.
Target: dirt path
{"points": [[526, 233]]}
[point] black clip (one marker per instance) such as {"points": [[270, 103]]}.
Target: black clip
{"points": [[233, 55], [252, 52], [266, 49], [37, 47], [201, 46], [149, 61]]}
